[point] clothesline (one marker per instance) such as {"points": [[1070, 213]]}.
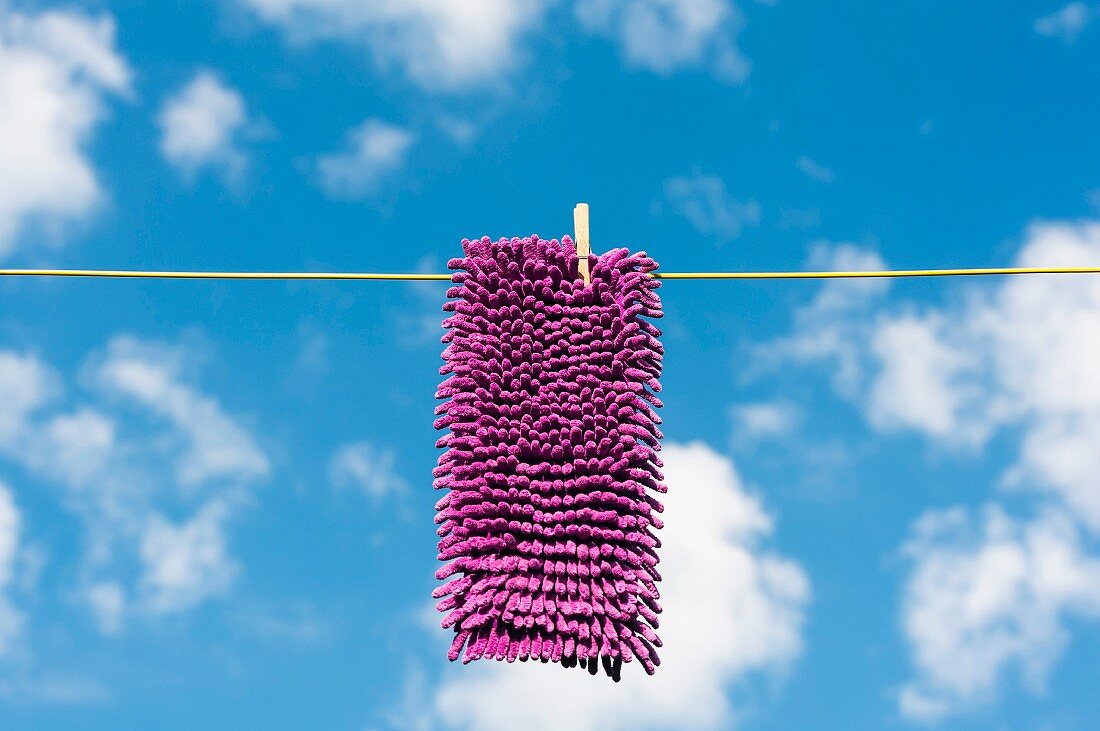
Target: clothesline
{"points": [[417, 276]]}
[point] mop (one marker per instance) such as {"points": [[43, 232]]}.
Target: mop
{"points": [[550, 466]]}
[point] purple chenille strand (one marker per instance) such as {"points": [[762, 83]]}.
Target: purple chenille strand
{"points": [[551, 465]]}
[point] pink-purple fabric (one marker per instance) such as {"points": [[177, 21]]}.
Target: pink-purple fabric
{"points": [[551, 467]]}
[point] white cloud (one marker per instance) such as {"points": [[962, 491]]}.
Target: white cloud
{"points": [[1068, 22], [374, 151], [1020, 355], [665, 36], [832, 327], [362, 466], [25, 383], [764, 420], [1016, 357], [922, 380], [201, 128], [814, 170], [989, 597], [451, 46], [705, 202], [108, 458], [57, 71], [218, 447], [11, 621], [66, 447], [186, 564], [458, 46], [905, 369], [733, 609], [437, 44], [74, 447]]}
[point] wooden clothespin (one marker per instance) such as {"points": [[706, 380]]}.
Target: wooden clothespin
{"points": [[580, 228]]}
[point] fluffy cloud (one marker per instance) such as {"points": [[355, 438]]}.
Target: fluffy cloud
{"points": [[374, 151], [24, 384], [665, 36], [362, 466], [188, 563], [1068, 22], [457, 46], [987, 596], [107, 457], [831, 329], [1019, 355], [10, 619], [151, 376], [733, 608], [201, 127], [435, 43], [57, 71], [1015, 358], [923, 381], [704, 201]]}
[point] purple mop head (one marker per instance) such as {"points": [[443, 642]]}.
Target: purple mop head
{"points": [[551, 462]]}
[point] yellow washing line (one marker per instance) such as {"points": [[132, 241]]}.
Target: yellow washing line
{"points": [[895, 273]]}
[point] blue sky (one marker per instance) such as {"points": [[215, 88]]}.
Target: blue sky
{"points": [[215, 500]]}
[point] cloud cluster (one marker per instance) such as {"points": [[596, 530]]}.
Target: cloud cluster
{"points": [[1017, 359], [462, 47], [734, 609], [989, 593], [831, 329], [1017, 356], [58, 70], [458, 46], [106, 452], [438, 45]]}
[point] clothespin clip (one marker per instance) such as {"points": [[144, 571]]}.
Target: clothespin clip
{"points": [[580, 228]]}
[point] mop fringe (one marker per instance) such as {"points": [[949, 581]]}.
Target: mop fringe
{"points": [[551, 466]]}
